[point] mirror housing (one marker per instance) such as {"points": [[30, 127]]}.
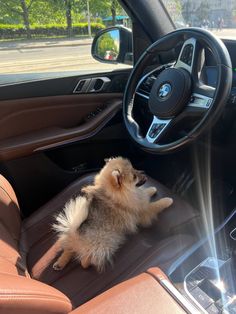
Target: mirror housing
{"points": [[113, 45]]}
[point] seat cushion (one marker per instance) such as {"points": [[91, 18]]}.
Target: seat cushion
{"points": [[149, 247]]}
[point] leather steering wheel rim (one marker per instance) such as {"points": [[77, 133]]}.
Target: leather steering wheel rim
{"points": [[218, 99]]}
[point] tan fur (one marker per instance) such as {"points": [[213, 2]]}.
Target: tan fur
{"points": [[116, 206]]}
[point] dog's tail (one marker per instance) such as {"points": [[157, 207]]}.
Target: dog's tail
{"points": [[74, 214]]}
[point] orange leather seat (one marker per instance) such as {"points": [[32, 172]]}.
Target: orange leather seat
{"points": [[141, 294], [28, 283]]}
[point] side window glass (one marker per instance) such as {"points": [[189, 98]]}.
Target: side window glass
{"points": [[52, 38], [216, 16]]}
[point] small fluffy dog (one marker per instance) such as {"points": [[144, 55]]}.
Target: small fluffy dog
{"points": [[93, 226]]}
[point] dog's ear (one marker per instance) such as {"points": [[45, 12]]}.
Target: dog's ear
{"points": [[116, 178], [108, 159]]}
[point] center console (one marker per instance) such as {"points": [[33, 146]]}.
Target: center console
{"points": [[206, 274]]}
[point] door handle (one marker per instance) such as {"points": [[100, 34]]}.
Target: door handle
{"points": [[92, 85]]}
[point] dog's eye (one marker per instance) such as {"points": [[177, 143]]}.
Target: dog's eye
{"points": [[134, 176]]}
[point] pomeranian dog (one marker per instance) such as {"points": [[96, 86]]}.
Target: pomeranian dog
{"points": [[93, 226]]}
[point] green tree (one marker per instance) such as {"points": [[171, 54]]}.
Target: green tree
{"points": [[105, 8], [186, 10], [64, 12], [68, 9], [67, 6], [46, 12], [19, 8], [114, 7], [203, 11], [174, 8]]}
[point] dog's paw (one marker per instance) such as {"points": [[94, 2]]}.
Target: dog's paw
{"points": [[85, 263], [151, 191], [167, 201], [57, 266]]}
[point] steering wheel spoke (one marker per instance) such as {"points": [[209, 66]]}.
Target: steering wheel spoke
{"points": [[203, 89], [142, 95], [188, 55], [156, 129], [200, 102]]}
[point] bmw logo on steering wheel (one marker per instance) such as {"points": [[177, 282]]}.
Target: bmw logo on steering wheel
{"points": [[164, 90]]}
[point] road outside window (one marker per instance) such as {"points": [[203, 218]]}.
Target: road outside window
{"points": [[52, 38]]}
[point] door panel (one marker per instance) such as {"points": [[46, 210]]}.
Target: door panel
{"points": [[39, 115], [38, 118], [62, 85], [45, 122]]}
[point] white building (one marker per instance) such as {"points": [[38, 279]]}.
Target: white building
{"points": [[195, 11]]}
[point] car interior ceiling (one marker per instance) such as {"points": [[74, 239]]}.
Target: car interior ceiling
{"points": [[203, 173]]}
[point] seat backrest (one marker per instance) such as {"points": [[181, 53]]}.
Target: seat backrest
{"points": [[10, 226], [18, 292]]}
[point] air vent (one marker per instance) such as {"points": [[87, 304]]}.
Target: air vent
{"points": [[146, 86]]}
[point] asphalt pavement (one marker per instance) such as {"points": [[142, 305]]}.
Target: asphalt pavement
{"points": [[42, 59], [44, 43]]}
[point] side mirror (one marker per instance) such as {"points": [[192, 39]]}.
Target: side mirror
{"points": [[113, 45]]}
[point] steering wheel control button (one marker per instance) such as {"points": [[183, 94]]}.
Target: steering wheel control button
{"points": [[156, 128], [170, 93], [200, 101], [187, 54], [208, 104]]}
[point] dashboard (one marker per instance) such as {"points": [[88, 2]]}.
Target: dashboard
{"points": [[210, 68]]}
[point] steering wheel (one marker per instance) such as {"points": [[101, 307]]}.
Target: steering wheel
{"points": [[178, 90]]}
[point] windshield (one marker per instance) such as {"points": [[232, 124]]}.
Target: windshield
{"points": [[218, 16]]}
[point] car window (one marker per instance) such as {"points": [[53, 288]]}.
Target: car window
{"points": [[42, 39], [214, 15]]}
